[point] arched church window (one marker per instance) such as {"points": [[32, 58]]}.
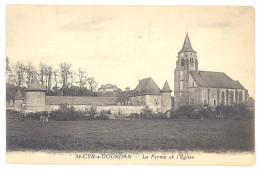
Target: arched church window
{"points": [[240, 97], [236, 96], [191, 60], [231, 97], [222, 98]]}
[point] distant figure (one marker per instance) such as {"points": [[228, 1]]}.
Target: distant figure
{"points": [[44, 118]]}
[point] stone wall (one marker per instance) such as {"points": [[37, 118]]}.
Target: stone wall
{"points": [[114, 109], [35, 99], [153, 101], [166, 101]]}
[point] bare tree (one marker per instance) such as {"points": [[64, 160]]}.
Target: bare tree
{"points": [[49, 74], [72, 78], [82, 78], [64, 73], [46, 72], [55, 73], [92, 83], [29, 71], [19, 71], [10, 77]]}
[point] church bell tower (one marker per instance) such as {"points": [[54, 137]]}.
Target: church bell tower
{"points": [[187, 61]]}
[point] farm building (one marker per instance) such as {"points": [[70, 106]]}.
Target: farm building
{"points": [[147, 93]]}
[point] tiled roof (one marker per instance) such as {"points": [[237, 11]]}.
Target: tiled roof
{"points": [[18, 95], [187, 45], [166, 87], [35, 86], [80, 100], [147, 86], [214, 80]]}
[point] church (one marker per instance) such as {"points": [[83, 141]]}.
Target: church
{"points": [[193, 87]]}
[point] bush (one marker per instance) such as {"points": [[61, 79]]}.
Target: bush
{"points": [[236, 111], [146, 113], [103, 115], [36, 115], [134, 115], [67, 113], [92, 111]]}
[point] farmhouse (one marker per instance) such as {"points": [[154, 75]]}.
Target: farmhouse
{"points": [[192, 86], [147, 93]]}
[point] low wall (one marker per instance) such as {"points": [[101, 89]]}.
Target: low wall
{"points": [[124, 110]]}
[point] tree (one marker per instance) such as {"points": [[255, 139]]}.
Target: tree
{"points": [[46, 72], [10, 76], [29, 71], [55, 88], [92, 83], [64, 73], [19, 71], [82, 78]]}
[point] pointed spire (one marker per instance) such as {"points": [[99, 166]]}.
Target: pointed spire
{"points": [[35, 85], [18, 95], [166, 87], [187, 45]]}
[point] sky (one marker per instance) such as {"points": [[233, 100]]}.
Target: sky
{"points": [[123, 44]]}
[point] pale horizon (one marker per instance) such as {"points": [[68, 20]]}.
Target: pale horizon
{"points": [[122, 44]]}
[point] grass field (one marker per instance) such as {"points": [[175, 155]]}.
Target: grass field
{"points": [[132, 135]]}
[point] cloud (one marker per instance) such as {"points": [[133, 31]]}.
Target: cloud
{"points": [[224, 24], [94, 24]]}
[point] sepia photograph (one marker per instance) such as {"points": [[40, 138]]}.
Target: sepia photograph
{"points": [[131, 85]]}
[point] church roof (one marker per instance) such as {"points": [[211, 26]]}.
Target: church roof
{"points": [[35, 86], [80, 100], [210, 79], [187, 45], [18, 95], [147, 86], [166, 87]]}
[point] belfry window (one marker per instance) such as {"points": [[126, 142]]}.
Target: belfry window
{"points": [[182, 61], [191, 60]]}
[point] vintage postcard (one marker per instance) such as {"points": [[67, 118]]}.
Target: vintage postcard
{"points": [[139, 85]]}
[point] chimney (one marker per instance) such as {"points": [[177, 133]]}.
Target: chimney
{"points": [[127, 89]]}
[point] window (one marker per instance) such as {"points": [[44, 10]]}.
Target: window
{"points": [[222, 97], [182, 62], [137, 103], [156, 103], [214, 102], [191, 60], [192, 84], [231, 97], [205, 101]]}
